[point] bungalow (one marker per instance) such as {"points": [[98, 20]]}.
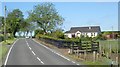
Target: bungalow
{"points": [[90, 31]]}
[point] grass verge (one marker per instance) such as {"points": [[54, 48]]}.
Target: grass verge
{"points": [[4, 48]]}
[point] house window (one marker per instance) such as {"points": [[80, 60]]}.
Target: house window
{"points": [[73, 35], [78, 34], [92, 34], [85, 34]]}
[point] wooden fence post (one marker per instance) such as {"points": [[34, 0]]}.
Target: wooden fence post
{"points": [[80, 55], [100, 50], [97, 56], [85, 55], [107, 55], [71, 48], [69, 51], [94, 56], [78, 52], [116, 59], [110, 50]]}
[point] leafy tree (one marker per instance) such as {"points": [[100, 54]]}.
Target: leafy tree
{"points": [[46, 16], [39, 31], [14, 21], [106, 33], [1, 23], [25, 27], [58, 33], [31, 26]]}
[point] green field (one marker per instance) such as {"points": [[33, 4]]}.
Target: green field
{"points": [[106, 44]]}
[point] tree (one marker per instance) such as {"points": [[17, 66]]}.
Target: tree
{"points": [[58, 33], [31, 26], [14, 20], [25, 27], [46, 16], [1, 23], [39, 31]]}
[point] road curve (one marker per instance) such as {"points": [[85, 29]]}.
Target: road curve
{"points": [[28, 52]]}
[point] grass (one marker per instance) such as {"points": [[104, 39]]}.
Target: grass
{"points": [[103, 61], [3, 51], [8, 42], [96, 64], [107, 43], [4, 47], [105, 46]]}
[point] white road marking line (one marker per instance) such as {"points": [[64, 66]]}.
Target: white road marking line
{"points": [[55, 52], [28, 45], [78, 64], [73, 62], [40, 60], [27, 42], [30, 48], [33, 53], [9, 52]]}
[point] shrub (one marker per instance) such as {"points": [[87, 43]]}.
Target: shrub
{"points": [[1, 37], [39, 31], [58, 34], [83, 38]]}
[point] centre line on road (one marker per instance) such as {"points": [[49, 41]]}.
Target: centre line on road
{"points": [[27, 43], [56, 52], [73, 62], [30, 48], [33, 53], [40, 60]]}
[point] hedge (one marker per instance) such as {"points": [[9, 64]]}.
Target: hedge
{"points": [[50, 37], [1, 37]]}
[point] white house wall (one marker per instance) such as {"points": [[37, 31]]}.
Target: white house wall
{"points": [[94, 34], [69, 35], [78, 35]]}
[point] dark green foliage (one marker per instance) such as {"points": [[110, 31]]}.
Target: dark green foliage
{"points": [[39, 31], [14, 21], [46, 16], [58, 34], [1, 37], [99, 37], [83, 38]]}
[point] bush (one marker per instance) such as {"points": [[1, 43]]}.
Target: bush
{"points": [[99, 37], [83, 38], [58, 34], [8, 42], [1, 37], [39, 31]]}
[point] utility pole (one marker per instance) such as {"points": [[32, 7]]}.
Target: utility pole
{"points": [[5, 24], [112, 33]]}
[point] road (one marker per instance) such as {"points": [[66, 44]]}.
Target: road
{"points": [[29, 52]]}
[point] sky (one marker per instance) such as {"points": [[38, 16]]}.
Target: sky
{"points": [[76, 14]]}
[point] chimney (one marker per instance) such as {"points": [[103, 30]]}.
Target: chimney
{"points": [[89, 27]]}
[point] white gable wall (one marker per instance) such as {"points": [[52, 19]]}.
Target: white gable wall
{"points": [[78, 34]]}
